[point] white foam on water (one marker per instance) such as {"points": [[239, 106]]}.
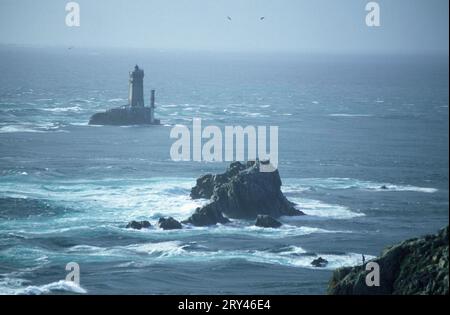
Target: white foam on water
{"points": [[110, 201], [238, 228], [321, 209], [391, 187], [334, 183], [58, 286], [85, 249], [350, 115], [12, 284], [44, 100], [73, 109], [162, 249], [18, 128], [290, 256]]}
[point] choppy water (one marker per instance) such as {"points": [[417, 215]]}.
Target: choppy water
{"points": [[347, 127]]}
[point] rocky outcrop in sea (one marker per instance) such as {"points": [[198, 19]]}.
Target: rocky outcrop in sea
{"points": [[124, 116], [138, 225], [243, 192], [169, 224], [266, 221], [415, 266]]}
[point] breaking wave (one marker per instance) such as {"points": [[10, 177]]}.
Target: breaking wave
{"points": [[305, 184], [176, 251], [15, 287]]}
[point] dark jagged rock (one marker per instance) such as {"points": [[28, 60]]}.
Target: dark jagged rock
{"points": [[137, 225], [205, 216], [123, 116], [384, 187], [267, 221], [319, 262], [206, 184], [415, 266], [204, 187], [243, 192], [169, 224]]}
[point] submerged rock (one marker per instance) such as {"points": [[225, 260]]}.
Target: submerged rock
{"points": [[169, 224], [319, 262], [415, 266], [243, 192], [206, 216], [137, 225], [267, 221]]}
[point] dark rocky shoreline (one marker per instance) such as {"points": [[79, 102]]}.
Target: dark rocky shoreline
{"points": [[415, 266]]}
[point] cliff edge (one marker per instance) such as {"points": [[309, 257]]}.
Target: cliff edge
{"points": [[415, 266]]}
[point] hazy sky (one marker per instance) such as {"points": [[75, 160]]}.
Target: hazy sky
{"points": [[308, 26]]}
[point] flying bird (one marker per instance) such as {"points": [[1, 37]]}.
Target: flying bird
{"points": [[229, 18], [262, 18]]}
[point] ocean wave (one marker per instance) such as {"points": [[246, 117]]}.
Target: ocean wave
{"points": [[162, 249], [238, 228], [73, 109], [321, 209], [304, 184], [147, 254], [13, 208], [245, 113], [350, 115], [18, 128], [32, 127], [289, 256], [114, 202], [54, 287]]}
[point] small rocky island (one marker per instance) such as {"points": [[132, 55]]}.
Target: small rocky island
{"points": [[415, 266], [242, 192], [135, 113]]}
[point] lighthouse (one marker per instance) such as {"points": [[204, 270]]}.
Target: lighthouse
{"points": [[135, 113], [136, 88]]}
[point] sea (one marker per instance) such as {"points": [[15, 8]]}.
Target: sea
{"points": [[363, 151]]}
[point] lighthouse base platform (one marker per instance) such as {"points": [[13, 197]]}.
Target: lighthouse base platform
{"points": [[124, 116]]}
